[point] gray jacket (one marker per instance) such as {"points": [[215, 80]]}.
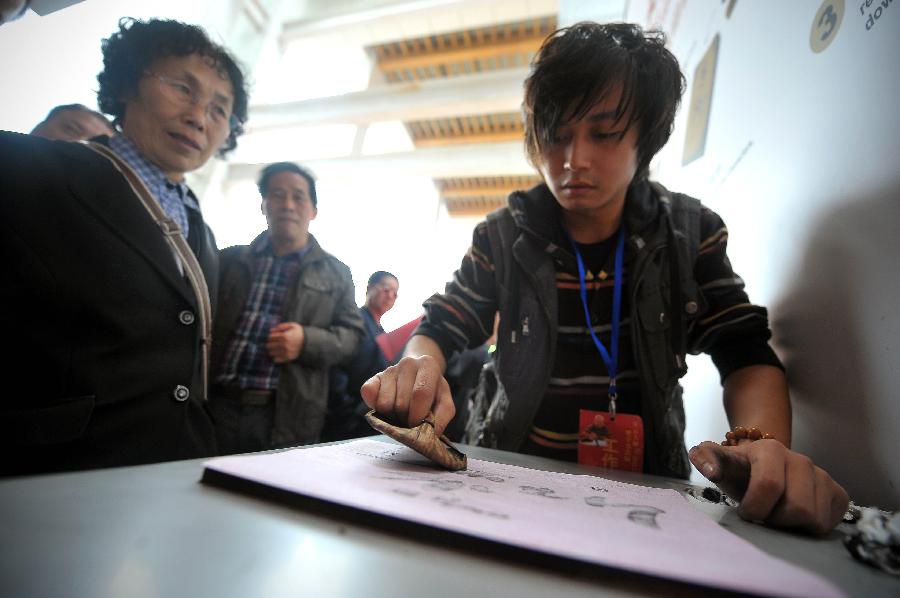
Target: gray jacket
{"points": [[322, 301]]}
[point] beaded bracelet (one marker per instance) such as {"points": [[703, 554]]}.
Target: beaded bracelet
{"points": [[740, 433]]}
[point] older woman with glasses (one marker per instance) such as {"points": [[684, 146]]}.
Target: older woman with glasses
{"points": [[110, 268]]}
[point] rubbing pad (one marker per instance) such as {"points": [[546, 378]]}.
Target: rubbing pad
{"points": [[423, 440]]}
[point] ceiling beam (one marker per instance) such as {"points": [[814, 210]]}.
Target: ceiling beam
{"points": [[461, 54], [484, 159], [329, 16], [474, 211], [405, 19], [492, 137], [480, 192], [482, 93]]}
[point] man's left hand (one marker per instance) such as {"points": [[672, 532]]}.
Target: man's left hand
{"points": [[774, 484], [285, 342]]}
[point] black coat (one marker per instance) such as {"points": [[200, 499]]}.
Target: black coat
{"points": [[100, 328]]}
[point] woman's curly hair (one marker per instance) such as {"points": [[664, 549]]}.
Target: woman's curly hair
{"points": [[137, 44], [579, 65]]}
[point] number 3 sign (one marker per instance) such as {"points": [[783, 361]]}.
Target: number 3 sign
{"points": [[825, 25]]}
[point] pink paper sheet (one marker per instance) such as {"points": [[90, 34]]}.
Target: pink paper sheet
{"points": [[568, 515]]}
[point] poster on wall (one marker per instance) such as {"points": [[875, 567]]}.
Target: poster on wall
{"points": [[701, 101]]}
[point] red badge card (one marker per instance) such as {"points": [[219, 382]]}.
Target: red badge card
{"points": [[614, 443]]}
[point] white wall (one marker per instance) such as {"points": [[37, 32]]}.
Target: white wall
{"points": [[801, 160], [52, 60]]}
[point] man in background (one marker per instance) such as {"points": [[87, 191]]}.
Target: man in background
{"points": [[346, 411], [73, 122], [381, 294], [286, 315]]}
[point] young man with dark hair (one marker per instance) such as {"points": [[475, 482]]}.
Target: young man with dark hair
{"points": [[73, 122], [286, 315], [111, 270], [604, 281]]}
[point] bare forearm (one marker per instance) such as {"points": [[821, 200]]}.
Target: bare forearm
{"points": [[757, 396], [419, 345]]}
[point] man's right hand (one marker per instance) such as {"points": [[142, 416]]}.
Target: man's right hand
{"points": [[409, 390]]}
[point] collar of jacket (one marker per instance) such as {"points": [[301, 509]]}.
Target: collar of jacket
{"points": [[537, 213], [314, 251]]}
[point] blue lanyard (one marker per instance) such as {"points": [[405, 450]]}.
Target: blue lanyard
{"points": [[611, 361]]}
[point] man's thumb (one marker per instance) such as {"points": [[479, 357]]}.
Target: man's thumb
{"points": [[369, 391], [727, 467]]}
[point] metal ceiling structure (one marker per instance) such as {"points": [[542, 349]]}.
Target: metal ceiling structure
{"points": [[460, 54], [476, 196], [463, 52], [476, 128]]}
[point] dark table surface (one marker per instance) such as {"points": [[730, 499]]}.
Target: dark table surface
{"points": [[155, 530]]}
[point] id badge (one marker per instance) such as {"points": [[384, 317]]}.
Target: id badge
{"points": [[613, 443]]}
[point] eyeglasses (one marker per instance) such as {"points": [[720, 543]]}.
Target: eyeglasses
{"points": [[181, 93]]}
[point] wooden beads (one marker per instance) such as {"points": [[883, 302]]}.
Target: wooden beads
{"points": [[733, 437]]}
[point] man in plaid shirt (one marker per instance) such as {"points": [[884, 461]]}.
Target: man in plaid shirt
{"points": [[286, 314]]}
